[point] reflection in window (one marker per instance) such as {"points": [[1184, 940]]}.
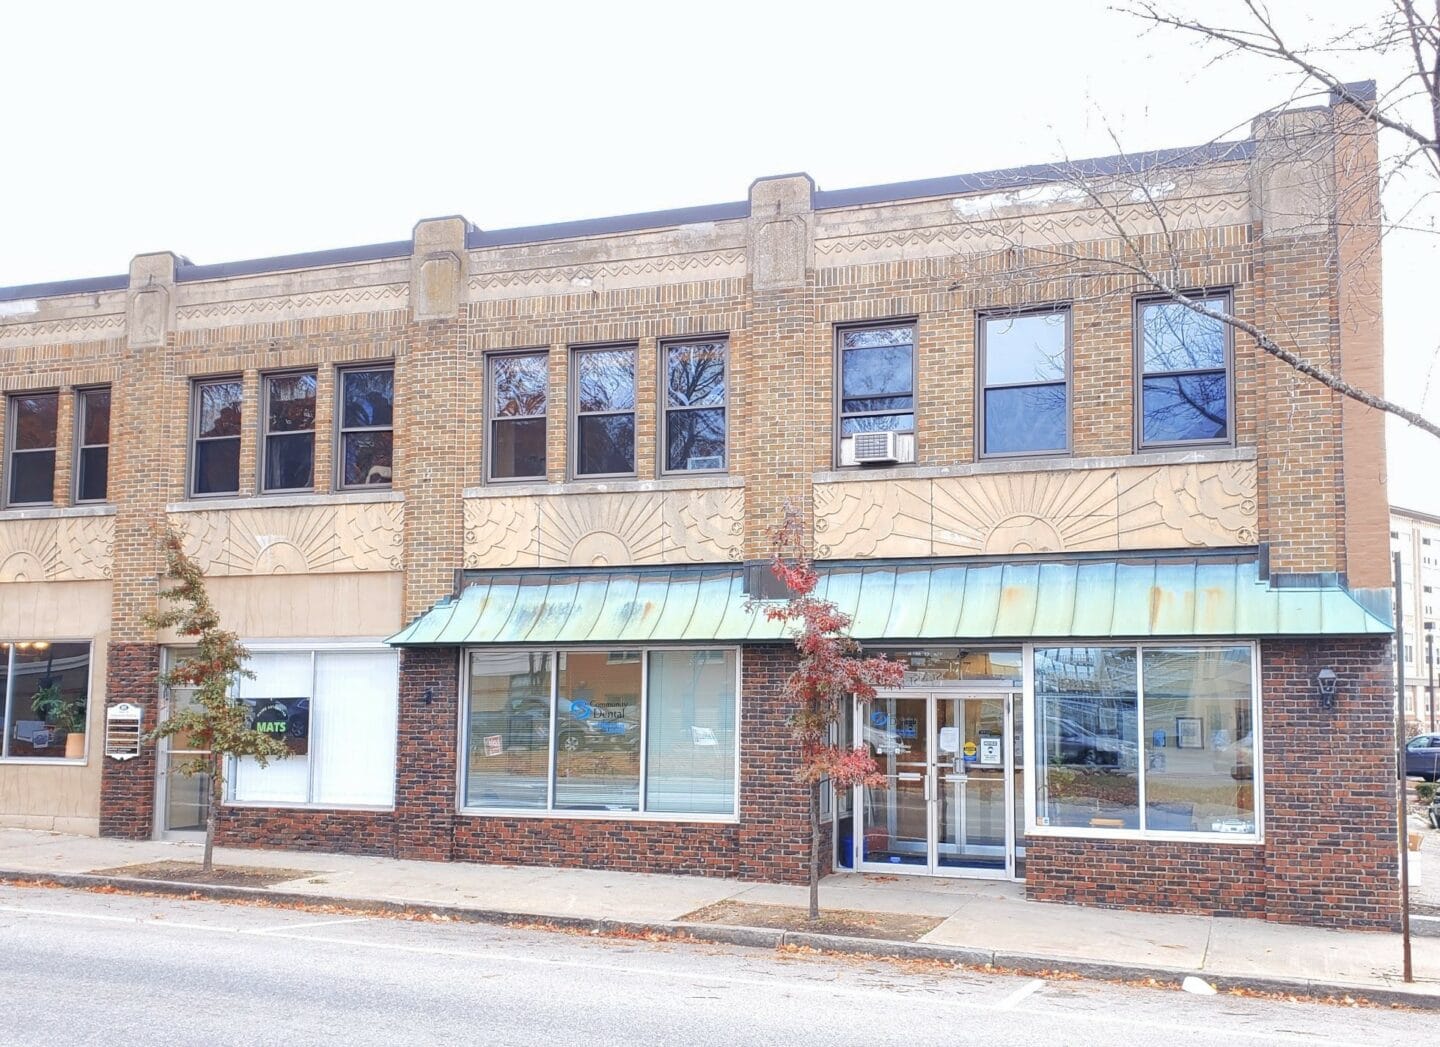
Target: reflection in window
{"points": [[367, 419], [289, 452], [695, 400], [1199, 740], [217, 437], [1086, 743], [1026, 401], [877, 380], [597, 732], [46, 690], [1188, 732], [1185, 386], [519, 387], [604, 412], [507, 762], [569, 724], [92, 452], [928, 664]]}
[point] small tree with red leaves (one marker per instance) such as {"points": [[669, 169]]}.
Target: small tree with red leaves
{"points": [[831, 670], [214, 724]]}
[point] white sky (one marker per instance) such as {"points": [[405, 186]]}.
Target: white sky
{"points": [[245, 130]]}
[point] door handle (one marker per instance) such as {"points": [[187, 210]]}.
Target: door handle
{"points": [[927, 788]]}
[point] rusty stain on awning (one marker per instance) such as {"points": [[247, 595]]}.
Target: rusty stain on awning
{"points": [[895, 601]]}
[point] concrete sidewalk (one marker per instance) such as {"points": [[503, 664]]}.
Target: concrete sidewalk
{"points": [[982, 921]]}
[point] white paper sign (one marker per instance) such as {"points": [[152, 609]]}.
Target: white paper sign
{"points": [[949, 739], [990, 751]]}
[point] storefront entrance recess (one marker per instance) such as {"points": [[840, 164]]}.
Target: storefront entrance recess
{"points": [[950, 802]]}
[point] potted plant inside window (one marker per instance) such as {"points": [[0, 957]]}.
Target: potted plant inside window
{"points": [[62, 714]]}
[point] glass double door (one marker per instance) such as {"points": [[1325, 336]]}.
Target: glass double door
{"points": [[951, 767]]}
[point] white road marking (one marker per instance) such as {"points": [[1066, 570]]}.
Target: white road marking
{"points": [[306, 926], [1104, 1018], [1029, 988]]}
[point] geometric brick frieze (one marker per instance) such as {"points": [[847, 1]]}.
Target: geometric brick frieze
{"points": [[1197, 505], [310, 539], [55, 549], [605, 529]]}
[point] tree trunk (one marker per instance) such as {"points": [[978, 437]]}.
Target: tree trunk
{"points": [[815, 850], [217, 785]]}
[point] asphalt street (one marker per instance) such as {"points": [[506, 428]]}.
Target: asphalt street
{"points": [[81, 968]]}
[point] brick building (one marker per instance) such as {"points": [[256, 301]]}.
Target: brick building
{"points": [[482, 504]]}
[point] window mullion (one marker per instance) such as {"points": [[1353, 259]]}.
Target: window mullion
{"points": [[554, 704], [9, 693], [644, 725], [1140, 730]]}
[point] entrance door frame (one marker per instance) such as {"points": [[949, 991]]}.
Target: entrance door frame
{"points": [[933, 693], [163, 752]]}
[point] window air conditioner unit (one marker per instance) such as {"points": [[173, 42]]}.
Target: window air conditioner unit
{"points": [[875, 447]]}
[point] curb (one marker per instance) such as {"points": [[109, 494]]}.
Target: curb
{"points": [[760, 938]]}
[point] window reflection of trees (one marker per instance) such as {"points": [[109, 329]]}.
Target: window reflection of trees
{"points": [[1185, 389], [605, 409], [877, 380], [695, 405], [1026, 409]]}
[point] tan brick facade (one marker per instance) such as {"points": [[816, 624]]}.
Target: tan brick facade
{"points": [[776, 276]]}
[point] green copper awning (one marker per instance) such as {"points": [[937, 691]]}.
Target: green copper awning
{"points": [[1085, 599]]}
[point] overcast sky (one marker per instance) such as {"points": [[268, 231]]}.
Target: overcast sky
{"points": [[243, 130]]}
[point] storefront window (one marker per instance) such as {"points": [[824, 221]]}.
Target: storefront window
{"points": [[46, 691], [1199, 740], [690, 743], [1178, 732], [597, 732], [509, 729], [336, 712], [678, 706], [1086, 707]]}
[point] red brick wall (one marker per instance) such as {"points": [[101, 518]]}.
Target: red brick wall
{"points": [[1329, 856], [1331, 851], [337, 832], [425, 751], [127, 787]]}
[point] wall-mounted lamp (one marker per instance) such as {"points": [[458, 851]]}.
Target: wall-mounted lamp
{"points": [[429, 695], [1326, 681]]}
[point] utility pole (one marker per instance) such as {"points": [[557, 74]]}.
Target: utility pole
{"points": [[1400, 783]]}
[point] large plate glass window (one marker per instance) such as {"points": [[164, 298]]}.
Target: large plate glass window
{"points": [[289, 453], [215, 458], [33, 420], [695, 406], [877, 379], [92, 444], [605, 411], [367, 419], [1148, 739], [602, 731], [335, 710], [45, 686], [1184, 372], [1024, 369], [519, 389]]}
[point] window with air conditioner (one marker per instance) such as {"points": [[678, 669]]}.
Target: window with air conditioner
{"points": [[876, 403]]}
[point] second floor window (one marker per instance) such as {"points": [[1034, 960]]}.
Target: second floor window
{"points": [[367, 419], [519, 391], [1184, 373], [215, 460], [33, 420], [92, 450], [1025, 394], [877, 380], [288, 462], [695, 401], [605, 411]]}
